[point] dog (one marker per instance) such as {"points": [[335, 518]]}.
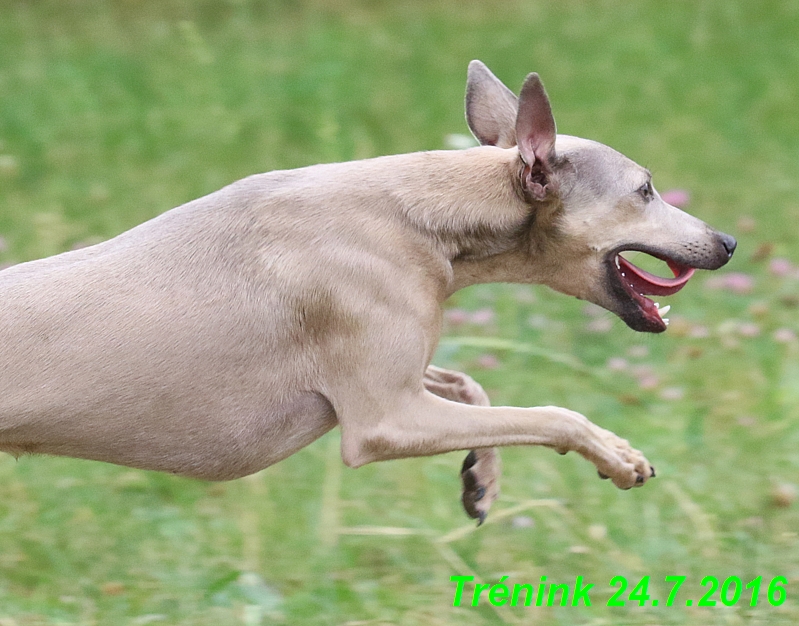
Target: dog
{"points": [[230, 332]]}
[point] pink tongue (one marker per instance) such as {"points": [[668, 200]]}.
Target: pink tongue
{"points": [[650, 285]]}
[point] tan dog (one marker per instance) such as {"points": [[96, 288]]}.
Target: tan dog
{"points": [[228, 333]]}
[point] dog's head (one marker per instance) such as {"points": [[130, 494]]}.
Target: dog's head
{"points": [[590, 204]]}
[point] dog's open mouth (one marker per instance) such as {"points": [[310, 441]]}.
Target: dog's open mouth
{"points": [[638, 283]]}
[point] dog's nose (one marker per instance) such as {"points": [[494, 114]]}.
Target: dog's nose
{"points": [[729, 244]]}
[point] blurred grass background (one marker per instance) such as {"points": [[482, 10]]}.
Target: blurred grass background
{"points": [[113, 112]]}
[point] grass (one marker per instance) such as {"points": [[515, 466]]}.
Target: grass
{"points": [[112, 112]]}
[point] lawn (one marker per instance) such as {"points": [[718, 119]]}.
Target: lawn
{"points": [[113, 112]]}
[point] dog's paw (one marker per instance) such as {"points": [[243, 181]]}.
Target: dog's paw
{"points": [[455, 386], [481, 468], [480, 476], [625, 466]]}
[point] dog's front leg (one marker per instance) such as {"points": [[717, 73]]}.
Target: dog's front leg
{"points": [[481, 469], [423, 424]]}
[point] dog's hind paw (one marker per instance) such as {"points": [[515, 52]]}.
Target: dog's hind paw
{"points": [[480, 476], [481, 469], [455, 386]]}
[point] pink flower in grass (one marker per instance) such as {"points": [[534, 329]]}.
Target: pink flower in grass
{"points": [[698, 331], [646, 377], [488, 361], [780, 267], [784, 335], [748, 329], [676, 197], [482, 317], [617, 364], [672, 393], [736, 282], [456, 317], [648, 382]]}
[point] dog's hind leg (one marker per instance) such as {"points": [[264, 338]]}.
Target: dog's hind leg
{"points": [[481, 469]]}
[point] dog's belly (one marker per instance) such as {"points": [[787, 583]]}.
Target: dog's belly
{"points": [[194, 440], [104, 362]]}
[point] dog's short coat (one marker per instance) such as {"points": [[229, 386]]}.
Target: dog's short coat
{"points": [[228, 333]]}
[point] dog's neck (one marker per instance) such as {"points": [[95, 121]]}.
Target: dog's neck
{"points": [[497, 268], [453, 194], [466, 205], [470, 201]]}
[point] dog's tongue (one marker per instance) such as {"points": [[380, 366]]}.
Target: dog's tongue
{"points": [[650, 285]]}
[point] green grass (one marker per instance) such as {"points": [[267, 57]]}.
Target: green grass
{"points": [[111, 113]]}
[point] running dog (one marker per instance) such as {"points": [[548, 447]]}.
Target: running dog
{"points": [[232, 331]]}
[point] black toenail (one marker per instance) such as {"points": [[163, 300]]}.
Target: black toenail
{"points": [[603, 476], [652, 469], [469, 461], [639, 479]]}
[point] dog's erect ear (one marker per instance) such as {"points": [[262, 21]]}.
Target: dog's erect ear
{"points": [[490, 108], [535, 134]]}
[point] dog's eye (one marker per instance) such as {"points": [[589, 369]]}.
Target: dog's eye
{"points": [[646, 191]]}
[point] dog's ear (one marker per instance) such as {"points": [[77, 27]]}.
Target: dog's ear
{"points": [[490, 108], [535, 133]]}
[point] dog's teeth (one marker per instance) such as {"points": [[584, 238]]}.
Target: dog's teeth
{"points": [[618, 266], [663, 311], [666, 321]]}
